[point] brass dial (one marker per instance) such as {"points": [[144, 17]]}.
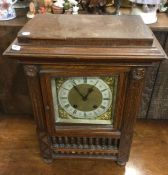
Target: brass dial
{"points": [[85, 98]]}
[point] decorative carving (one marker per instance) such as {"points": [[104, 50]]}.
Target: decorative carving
{"points": [[30, 70], [45, 146], [138, 73], [85, 146], [98, 143]]}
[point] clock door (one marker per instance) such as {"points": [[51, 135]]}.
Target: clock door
{"points": [[84, 100], [91, 102]]}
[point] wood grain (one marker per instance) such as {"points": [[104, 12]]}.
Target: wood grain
{"points": [[132, 103], [96, 33], [38, 110]]}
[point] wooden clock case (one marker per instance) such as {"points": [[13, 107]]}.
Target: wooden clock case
{"points": [[78, 46]]}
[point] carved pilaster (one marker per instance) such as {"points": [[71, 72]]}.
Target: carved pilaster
{"points": [[38, 110], [132, 104]]}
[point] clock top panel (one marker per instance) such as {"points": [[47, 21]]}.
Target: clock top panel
{"points": [[86, 29]]}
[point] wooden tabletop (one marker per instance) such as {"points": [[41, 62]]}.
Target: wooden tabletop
{"points": [[19, 21], [161, 24]]}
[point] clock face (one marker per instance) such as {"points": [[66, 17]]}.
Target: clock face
{"points": [[84, 99]]}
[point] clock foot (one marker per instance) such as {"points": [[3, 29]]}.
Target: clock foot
{"points": [[48, 160], [121, 163]]}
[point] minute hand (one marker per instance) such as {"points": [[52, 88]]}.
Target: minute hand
{"points": [[79, 92]]}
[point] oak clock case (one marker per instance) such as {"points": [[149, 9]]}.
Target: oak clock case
{"points": [[86, 86]]}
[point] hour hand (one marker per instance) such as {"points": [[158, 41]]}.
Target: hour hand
{"points": [[89, 91]]}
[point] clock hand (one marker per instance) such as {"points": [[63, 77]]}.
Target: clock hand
{"points": [[77, 90], [89, 91]]}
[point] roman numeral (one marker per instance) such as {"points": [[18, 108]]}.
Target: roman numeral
{"points": [[64, 98], [96, 82], [103, 107], [74, 83], [75, 111], [65, 88], [106, 99], [85, 80], [67, 106], [103, 90]]}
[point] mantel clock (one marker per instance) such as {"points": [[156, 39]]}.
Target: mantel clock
{"points": [[85, 76]]}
